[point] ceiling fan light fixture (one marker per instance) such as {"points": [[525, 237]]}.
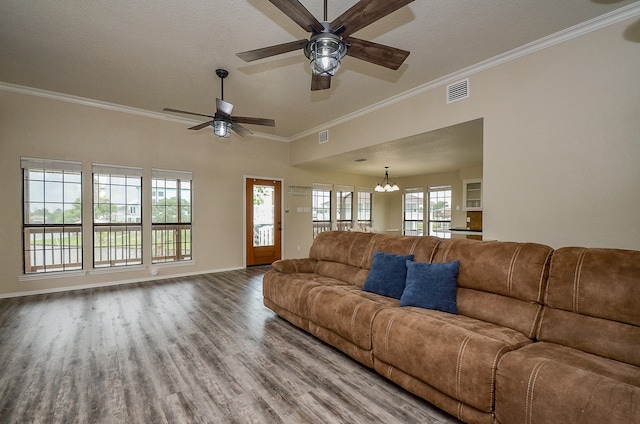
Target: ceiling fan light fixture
{"points": [[222, 128], [325, 51]]}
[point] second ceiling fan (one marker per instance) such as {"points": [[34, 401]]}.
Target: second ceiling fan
{"points": [[331, 41]]}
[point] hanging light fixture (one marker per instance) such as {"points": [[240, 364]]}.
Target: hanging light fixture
{"points": [[222, 128], [386, 185], [325, 51]]}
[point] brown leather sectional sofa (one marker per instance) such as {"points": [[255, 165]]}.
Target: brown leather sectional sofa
{"points": [[541, 335]]}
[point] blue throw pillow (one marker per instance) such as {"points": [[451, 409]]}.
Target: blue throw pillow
{"points": [[387, 275], [431, 286]]}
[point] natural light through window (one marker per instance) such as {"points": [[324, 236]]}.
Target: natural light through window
{"points": [[117, 216], [171, 198], [52, 217]]}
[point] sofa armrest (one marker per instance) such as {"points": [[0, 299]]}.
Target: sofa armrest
{"points": [[290, 266]]}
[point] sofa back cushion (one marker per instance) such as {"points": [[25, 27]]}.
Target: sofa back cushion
{"points": [[592, 302], [345, 247], [339, 254], [422, 248], [499, 282]]}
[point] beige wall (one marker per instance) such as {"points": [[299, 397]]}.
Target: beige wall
{"points": [[561, 140], [561, 155], [37, 127]]}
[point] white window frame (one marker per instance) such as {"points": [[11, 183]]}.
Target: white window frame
{"points": [[419, 219], [51, 247], [439, 227], [362, 222], [123, 237], [171, 241], [320, 226]]}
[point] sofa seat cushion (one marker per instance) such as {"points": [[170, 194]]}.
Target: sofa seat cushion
{"points": [[347, 311], [549, 383], [289, 292], [455, 354]]}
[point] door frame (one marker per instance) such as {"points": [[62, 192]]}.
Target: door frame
{"points": [[244, 214]]}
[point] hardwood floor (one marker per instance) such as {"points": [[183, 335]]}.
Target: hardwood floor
{"points": [[200, 349]]}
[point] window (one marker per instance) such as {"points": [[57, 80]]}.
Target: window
{"points": [[440, 211], [117, 218], [365, 202], [344, 207], [171, 215], [321, 208], [52, 215], [413, 212]]}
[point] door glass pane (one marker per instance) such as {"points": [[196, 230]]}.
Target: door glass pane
{"points": [[263, 215]]}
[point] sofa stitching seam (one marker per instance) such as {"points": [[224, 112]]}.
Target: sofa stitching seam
{"points": [[372, 243], [446, 253], [350, 249], [433, 252], [536, 322], [353, 319], [387, 332], [494, 370], [413, 246], [576, 282], [512, 266], [546, 266], [542, 312], [461, 351], [530, 389]]}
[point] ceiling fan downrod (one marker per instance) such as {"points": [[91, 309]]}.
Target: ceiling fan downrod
{"points": [[222, 73]]}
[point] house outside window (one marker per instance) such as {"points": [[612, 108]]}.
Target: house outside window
{"points": [[52, 215], [365, 206], [344, 207], [321, 208], [413, 212], [117, 218], [171, 215], [440, 211]]}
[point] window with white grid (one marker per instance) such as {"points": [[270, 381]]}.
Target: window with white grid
{"points": [[117, 216], [321, 208], [52, 215], [171, 199], [413, 212], [440, 211]]}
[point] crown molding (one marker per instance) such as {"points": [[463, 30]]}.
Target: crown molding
{"points": [[31, 91], [586, 27]]}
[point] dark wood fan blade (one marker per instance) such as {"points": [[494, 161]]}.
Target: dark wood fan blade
{"points": [[382, 55], [168, 109], [254, 121], [201, 126], [256, 54], [364, 13], [299, 14], [320, 82], [240, 130], [223, 108]]}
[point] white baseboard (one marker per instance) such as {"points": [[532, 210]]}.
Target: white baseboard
{"points": [[112, 283]]}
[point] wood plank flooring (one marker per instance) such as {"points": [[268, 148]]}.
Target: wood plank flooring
{"points": [[199, 349]]}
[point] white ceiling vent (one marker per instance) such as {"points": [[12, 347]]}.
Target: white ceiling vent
{"points": [[458, 91], [323, 136]]}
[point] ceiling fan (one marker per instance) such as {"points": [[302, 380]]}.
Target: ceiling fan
{"points": [[331, 41], [222, 121]]}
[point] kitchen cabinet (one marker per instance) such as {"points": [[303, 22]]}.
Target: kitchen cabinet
{"points": [[472, 195]]}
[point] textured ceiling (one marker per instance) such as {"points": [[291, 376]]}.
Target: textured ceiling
{"points": [[151, 54]]}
